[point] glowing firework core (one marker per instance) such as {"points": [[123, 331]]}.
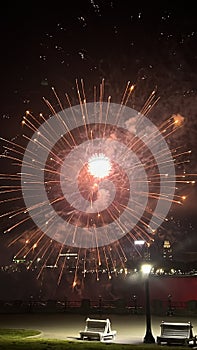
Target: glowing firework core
{"points": [[99, 165]]}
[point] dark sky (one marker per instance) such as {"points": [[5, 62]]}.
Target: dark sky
{"points": [[153, 46]]}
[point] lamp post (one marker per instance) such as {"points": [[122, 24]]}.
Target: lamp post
{"points": [[170, 310], [148, 338]]}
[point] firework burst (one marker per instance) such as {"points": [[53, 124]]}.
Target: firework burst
{"points": [[93, 178]]}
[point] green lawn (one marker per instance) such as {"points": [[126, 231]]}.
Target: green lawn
{"points": [[17, 333], [18, 339]]}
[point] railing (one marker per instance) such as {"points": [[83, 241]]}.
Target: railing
{"points": [[99, 307]]}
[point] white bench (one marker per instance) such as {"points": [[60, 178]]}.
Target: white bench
{"points": [[97, 330], [176, 333]]}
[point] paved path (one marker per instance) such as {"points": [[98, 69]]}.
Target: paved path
{"points": [[130, 328]]}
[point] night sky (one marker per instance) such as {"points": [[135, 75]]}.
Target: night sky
{"points": [[154, 46]]}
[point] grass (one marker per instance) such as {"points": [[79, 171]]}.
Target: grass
{"points": [[17, 333], [18, 339]]}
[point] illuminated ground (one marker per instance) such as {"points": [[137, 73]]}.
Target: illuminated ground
{"points": [[130, 329]]}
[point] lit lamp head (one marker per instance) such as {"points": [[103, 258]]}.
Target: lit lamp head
{"points": [[146, 268]]}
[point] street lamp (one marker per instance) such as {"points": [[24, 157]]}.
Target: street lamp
{"points": [[146, 268]]}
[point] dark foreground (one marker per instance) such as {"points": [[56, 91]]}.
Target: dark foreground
{"points": [[62, 345], [64, 327]]}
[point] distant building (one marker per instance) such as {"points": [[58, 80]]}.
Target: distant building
{"points": [[167, 251]]}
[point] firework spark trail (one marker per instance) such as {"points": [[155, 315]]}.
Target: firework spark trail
{"points": [[82, 106], [62, 269], [61, 120], [120, 257], [107, 265], [127, 92], [76, 268], [46, 258], [111, 259], [45, 135], [23, 251]]}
